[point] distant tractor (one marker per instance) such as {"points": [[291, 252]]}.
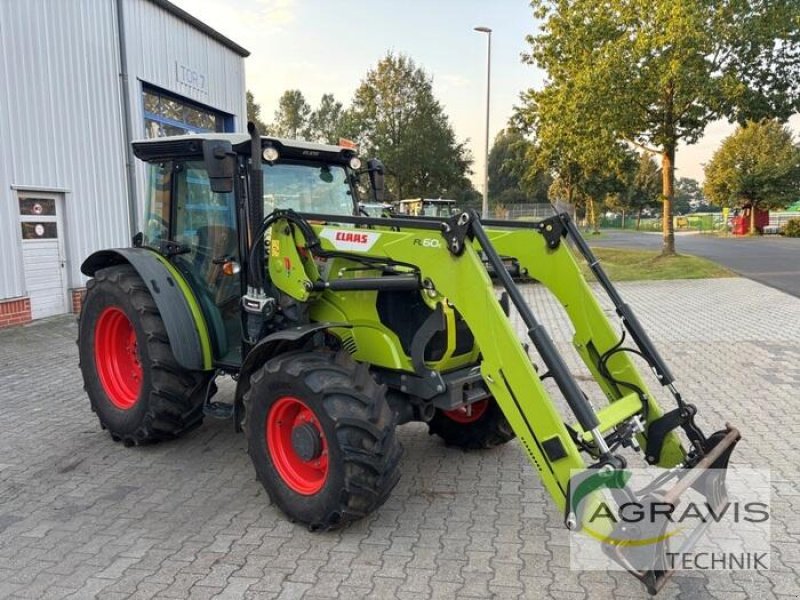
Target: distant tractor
{"points": [[255, 262], [375, 209], [427, 207]]}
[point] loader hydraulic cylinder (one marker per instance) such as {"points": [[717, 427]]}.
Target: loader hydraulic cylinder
{"points": [[538, 335], [624, 311]]}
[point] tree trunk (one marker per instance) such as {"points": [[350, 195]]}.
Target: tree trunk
{"points": [[571, 202], [623, 220], [595, 226], [752, 219], [668, 192], [639, 218]]}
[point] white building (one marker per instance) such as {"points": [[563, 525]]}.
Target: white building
{"points": [[80, 79]]}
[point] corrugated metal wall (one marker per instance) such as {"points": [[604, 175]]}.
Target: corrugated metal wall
{"points": [[158, 44], [61, 125], [61, 111], [11, 277]]}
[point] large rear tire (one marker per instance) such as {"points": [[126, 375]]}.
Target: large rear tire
{"points": [[479, 426], [138, 390], [322, 437]]}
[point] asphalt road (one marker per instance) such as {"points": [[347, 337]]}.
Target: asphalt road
{"points": [[771, 260]]}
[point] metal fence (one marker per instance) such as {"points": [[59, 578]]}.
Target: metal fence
{"points": [[529, 211], [779, 219], [702, 222]]}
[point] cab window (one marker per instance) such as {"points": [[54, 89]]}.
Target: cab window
{"points": [[157, 205], [307, 188]]}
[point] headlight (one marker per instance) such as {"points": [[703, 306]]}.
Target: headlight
{"points": [[270, 154], [355, 163]]}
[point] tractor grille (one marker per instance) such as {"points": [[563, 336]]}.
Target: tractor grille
{"points": [[349, 344]]}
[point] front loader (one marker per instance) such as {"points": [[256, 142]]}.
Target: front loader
{"points": [[255, 262]]}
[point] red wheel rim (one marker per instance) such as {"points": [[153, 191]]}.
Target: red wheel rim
{"points": [[116, 356], [469, 413], [307, 475]]}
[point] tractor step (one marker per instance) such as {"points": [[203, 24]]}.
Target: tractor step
{"points": [[218, 410]]}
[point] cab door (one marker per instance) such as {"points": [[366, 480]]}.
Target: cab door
{"points": [[205, 223]]}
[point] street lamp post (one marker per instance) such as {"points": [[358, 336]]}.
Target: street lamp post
{"points": [[485, 206]]}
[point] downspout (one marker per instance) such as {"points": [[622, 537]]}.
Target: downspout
{"points": [[126, 120]]}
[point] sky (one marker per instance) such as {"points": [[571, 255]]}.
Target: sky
{"points": [[321, 47]]}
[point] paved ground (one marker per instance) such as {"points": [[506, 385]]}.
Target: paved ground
{"points": [[83, 517], [772, 260]]}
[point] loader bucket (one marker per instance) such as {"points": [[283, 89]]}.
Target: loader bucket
{"points": [[651, 563]]}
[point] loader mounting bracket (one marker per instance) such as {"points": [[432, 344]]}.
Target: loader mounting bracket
{"points": [[456, 230], [657, 432], [553, 230]]}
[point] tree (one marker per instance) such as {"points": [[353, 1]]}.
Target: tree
{"points": [[326, 122], [395, 115], [254, 112], [757, 165], [291, 118], [512, 179], [688, 196], [586, 161], [641, 187], [656, 72]]}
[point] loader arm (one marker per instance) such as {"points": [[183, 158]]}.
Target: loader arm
{"points": [[442, 260]]}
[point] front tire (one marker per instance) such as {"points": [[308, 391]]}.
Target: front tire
{"points": [[135, 385], [481, 425], [322, 437]]}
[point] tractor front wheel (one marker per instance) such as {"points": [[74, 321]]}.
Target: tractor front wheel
{"points": [[138, 390], [476, 426], [322, 437]]}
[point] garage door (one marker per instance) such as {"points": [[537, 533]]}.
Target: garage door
{"points": [[43, 254]]}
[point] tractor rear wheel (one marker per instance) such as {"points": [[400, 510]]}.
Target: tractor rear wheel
{"points": [[138, 390], [322, 437], [477, 426]]}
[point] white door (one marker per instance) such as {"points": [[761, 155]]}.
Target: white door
{"points": [[43, 256]]}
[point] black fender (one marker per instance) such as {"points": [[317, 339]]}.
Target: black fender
{"points": [[179, 309], [276, 343]]}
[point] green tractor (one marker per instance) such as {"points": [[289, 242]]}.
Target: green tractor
{"points": [[255, 262]]}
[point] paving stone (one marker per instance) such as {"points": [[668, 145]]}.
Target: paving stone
{"points": [[83, 516]]}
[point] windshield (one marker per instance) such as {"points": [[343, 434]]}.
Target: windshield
{"points": [[307, 188]]}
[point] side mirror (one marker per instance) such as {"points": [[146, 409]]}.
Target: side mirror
{"points": [[377, 179], [218, 157]]}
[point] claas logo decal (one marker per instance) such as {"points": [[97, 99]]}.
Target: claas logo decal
{"points": [[347, 239], [349, 236]]}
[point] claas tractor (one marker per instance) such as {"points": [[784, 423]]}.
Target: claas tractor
{"points": [[255, 262]]}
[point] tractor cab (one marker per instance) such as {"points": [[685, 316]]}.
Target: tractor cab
{"points": [[200, 216]]}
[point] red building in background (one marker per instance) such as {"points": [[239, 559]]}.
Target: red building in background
{"points": [[740, 221]]}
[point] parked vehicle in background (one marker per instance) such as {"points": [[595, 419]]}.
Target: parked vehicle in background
{"points": [[376, 209], [427, 207]]}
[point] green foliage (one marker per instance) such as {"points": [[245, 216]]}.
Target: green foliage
{"points": [[655, 72], [254, 113], [292, 117], [327, 122], [395, 116], [688, 196], [513, 178], [792, 228], [641, 186], [758, 164]]}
